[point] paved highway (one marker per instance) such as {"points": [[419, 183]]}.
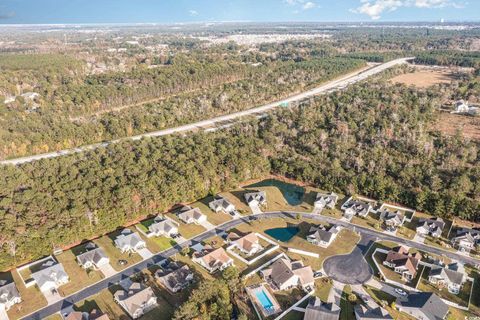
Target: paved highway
{"points": [[334, 85], [366, 233]]}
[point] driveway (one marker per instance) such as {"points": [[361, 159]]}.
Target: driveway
{"points": [[255, 208], [3, 313], [52, 296], [418, 238], [107, 270], [350, 268], [145, 253], [208, 225]]}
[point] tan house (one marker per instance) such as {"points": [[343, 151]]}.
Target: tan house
{"points": [[284, 274], [137, 301], [213, 259], [247, 244]]}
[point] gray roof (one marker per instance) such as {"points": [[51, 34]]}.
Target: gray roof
{"points": [[435, 225], [363, 312], [130, 239], [322, 233], [358, 206], [220, 202], [430, 304], [162, 226], [451, 275], [135, 298], [318, 310], [260, 196], [188, 212], [397, 216], [176, 277], [53, 273], [94, 256], [8, 291], [326, 198]]}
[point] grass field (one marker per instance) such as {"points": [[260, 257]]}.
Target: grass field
{"points": [[449, 124], [424, 78]]}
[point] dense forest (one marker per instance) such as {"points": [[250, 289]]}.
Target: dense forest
{"points": [[374, 139]]}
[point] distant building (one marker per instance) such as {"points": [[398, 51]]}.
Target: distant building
{"points": [[402, 262], [326, 200], [462, 106], [423, 305], [192, 215], [284, 274], [466, 239], [129, 241], [392, 219], [353, 207], [9, 295], [322, 236], [220, 204], [137, 301], [433, 227], [30, 95]]}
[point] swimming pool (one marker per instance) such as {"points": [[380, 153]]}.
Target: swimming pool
{"points": [[282, 234], [263, 299]]}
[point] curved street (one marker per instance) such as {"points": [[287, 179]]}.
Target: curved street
{"points": [[368, 237]]}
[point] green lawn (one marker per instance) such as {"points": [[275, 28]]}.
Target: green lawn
{"points": [[392, 275], [322, 288], [346, 307], [186, 230]]}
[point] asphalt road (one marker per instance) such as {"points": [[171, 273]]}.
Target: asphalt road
{"points": [[334, 85], [368, 235], [351, 268]]}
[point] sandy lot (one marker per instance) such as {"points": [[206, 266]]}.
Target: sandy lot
{"points": [[425, 78], [449, 123]]}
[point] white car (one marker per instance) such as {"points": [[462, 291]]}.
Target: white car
{"points": [[400, 292]]}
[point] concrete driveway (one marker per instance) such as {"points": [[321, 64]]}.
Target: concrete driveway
{"points": [[52, 296], [350, 268], [418, 238], [208, 225], [107, 270], [145, 253], [255, 208]]}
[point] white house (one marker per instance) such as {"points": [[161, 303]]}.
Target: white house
{"points": [[326, 200], [175, 277], [247, 244], [322, 236], [256, 198], [50, 276], [284, 274], [392, 219], [433, 227], [192, 215], [451, 279], [461, 106], [466, 239], [9, 295], [137, 301], [220, 204], [162, 227], [129, 241], [94, 257], [353, 207], [212, 259]]}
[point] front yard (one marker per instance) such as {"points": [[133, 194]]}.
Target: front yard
{"points": [[32, 298], [107, 244], [212, 217]]}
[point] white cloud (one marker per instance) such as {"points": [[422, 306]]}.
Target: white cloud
{"points": [[303, 4], [308, 5], [193, 13], [374, 8]]}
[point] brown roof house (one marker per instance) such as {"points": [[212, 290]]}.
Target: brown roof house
{"points": [[213, 259], [247, 244], [284, 274], [137, 301], [402, 262]]}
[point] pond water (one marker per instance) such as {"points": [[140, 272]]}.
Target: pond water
{"points": [[292, 193], [282, 234]]}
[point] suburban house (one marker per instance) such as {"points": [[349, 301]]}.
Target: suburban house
{"points": [[402, 262], [433, 227], [94, 257], [50, 276], [322, 236], [392, 219], [466, 239], [284, 274], [247, 244], [162, 227], [316, 310], [212, 259], [451, 279], [258, 198], [137, 301], [325, 200], [93, 315], [423, 305], [9, 295], [220, 204], [365, 313], [129, 241], [175, 277], [191, 215], [353, 207]]}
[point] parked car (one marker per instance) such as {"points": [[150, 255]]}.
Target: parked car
{"points": [[400, 292], [122, 262]]}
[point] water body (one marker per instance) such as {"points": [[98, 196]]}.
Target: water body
{"points": [[282, 234], [292, 193]]}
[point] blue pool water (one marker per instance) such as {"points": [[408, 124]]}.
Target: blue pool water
{"points": [[292, 193], [282, 234], [264, 300]]}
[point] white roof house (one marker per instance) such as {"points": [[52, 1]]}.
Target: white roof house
{"points": [[256, 198], [433, 227], [353, 207], [51, 276], [461, 106], [466, 239], [322, 236], [392, 219], [94, 257], [165, 227], [9, 295], [30, 95], [326, 200], [129, 241], [220, 204], [191, 215]]}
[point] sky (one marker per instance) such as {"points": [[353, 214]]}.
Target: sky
{"points": [[173, 11]]}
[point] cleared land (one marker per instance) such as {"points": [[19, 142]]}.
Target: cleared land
{"points": [[424, 78], [450, 124]]}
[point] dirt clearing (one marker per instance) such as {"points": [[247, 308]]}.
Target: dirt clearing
{"points": [[449, 124], [425, 78]]}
